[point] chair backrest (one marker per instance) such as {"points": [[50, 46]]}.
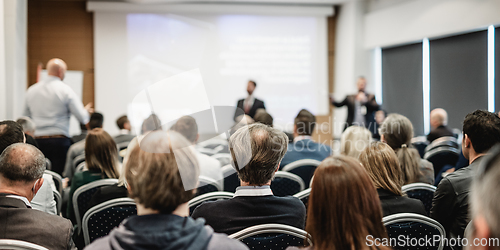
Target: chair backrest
{"points": [[420, 143], [81, 167], [231, 180], [413, 226], [207, 185], [79, 159], [421, 191], [469, 229], [272, 236], [19, 245], [223, 158], [304, 168], [57, 179], [48, 164], [442, 156], [83, 195], [99, 220], [286, 183], [303, 196], [445, 141], [213, 196], [58, 200]]}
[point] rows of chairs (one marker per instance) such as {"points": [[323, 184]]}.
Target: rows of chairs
{"points": [[441, 152]]}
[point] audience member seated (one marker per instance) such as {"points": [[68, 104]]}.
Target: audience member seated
{"points": [[124, 125], [263, 117], [155, 183], [380, 116], [11, 132], [101, 158], [384, 170], [450, 205], [81, 136], [485, 210], [354, 140], [343, 206], [77, 149], [257, 151], [29, 128], [303, 147], [152, 123], [397, 132], [209, 167], [439, 120], [107, 193], [21, 171]]}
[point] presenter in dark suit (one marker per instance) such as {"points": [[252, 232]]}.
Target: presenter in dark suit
{"points": [[250, 104], [361, 107]]}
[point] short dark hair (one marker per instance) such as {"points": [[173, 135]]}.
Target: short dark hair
{"points": [[257, 151], [22, 162], [120, 122], [96, 120], [187, 127], [483, 129], [10, 132], [254, 83], [305, 122], [263, 117]]}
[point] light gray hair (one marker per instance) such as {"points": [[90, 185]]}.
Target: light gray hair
{"points": [[27, 124]]}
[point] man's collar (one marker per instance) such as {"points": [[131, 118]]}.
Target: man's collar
{"points": [[253, 191], [52, 78], [302, 137], [124, 132], [23, 199]]}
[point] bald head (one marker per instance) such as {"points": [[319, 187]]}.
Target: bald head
{"points": [[22, 163], [56, 67], [439, 117]]}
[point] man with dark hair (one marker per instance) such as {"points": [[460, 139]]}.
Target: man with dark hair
{"points": [[29, 128], [21, 170], [10, 132], [263, 117], [209, 167], [450, 205], [303, 147], [124, 125], [250, 104], [257, 151], [96, 121]]}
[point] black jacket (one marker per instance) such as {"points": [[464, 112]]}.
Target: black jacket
{"points": [[371, 106], [19, 222], [450, 205], [439, 132], [257, 104], [231, 216], [395, 204]]}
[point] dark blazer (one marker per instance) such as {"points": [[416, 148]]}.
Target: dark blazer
{"points": [[305, 149], [395, 204], [19, 222], [257, 104], [439, 132], [371, 106], [450, 205], [238, 213]]}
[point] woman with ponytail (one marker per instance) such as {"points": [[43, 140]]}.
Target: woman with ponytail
{"points": [[397, 132]]}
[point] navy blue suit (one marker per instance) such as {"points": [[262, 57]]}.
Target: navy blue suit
{"points": [[305, 149]]}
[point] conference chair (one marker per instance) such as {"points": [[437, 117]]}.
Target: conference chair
{"points": [[213, 146], [469, 229], [121, 146], [304, 168], [445, 141], [421, 191], [48, 164], [420, 143], [442, 156], [99, 220], [285, 183], [271, 236], [79, 159], [207, 185], [81, 167], [57, 179], [83, 195], [58, 200], [231, 180], [19, 245], [223, 158], [213, 196], [303, 196], [413, 226]]}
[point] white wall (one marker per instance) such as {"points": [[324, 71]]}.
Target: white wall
{"points": [[13, 57]]}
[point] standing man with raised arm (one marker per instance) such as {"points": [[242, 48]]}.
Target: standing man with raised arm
{"points": [[361, 107], [50, 104]]}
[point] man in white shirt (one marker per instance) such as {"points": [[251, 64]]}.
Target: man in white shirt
{"points": [[209, 167], [250, 104], [50, 103]]}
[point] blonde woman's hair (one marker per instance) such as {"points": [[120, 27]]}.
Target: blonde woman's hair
{"points": [[354, 140], [398, 131], [382, 166], [101, 153]]}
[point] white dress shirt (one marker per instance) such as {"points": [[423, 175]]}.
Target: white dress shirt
{"points": [[50, 104], [253, 191], [44, 198]]}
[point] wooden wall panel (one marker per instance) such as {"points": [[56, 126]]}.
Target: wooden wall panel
{"points": [[62, 29]]}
